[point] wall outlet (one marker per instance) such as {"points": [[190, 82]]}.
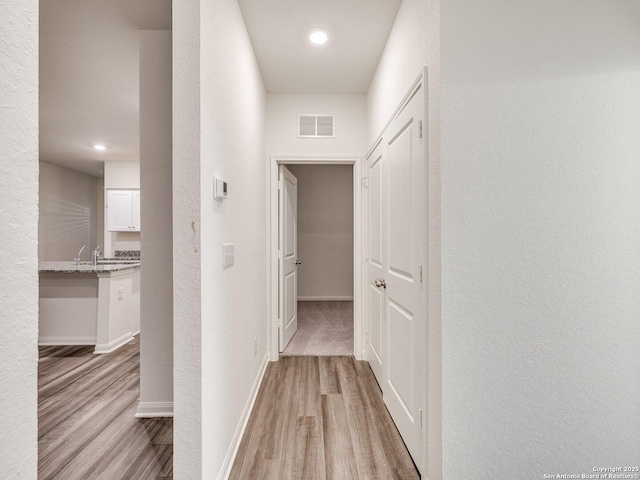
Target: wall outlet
{"points": [[120, 292], [255, 346]]}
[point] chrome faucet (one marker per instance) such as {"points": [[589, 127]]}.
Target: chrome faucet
{"points": [[77, 260], [95, 254]]}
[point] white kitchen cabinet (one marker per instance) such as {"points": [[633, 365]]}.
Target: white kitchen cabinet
{"points": [[123, 210]]}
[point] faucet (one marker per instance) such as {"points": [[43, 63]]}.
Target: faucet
{"points": [[77, 260], [95, 254]]}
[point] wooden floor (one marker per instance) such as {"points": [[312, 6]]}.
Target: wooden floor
{"points": [[321, 418], [87, 429]]}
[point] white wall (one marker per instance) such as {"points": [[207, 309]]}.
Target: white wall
{"points": [[325, 231], [156, 281], [350, 124], [414, 42], [219, 129], [19, 240], [68, 213], [120, 175], [541, 237]]}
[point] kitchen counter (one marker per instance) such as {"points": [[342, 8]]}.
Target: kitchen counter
{"points": [[87, 305], [71, 267]]}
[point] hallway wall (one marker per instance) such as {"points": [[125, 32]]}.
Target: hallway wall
{"points": [[219, 129], [19, 240], [541, 236], [350, 124], [325, 231]]}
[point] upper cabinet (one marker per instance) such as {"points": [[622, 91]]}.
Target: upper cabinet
{"points": [[123, 210]]}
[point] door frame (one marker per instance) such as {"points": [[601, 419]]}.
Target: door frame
{"points": [[275, 162]]}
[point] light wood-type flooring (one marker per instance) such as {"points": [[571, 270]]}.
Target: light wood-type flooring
{"points": [[87, 429], [321, 418]]}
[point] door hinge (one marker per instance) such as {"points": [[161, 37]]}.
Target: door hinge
{"points": [[279, 185], [420, 129], [365, 182], [420, 414], [420, 273]]}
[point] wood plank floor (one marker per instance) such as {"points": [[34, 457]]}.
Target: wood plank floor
{"points": [[87, 429], [321, 418]]}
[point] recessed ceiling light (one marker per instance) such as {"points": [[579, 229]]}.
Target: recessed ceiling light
{"points": [[100, 147], [318, 37]]}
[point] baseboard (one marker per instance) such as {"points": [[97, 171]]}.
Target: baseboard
{"points": [[225, 471], [42, 341], [114, 344], [154, 409], [325, 299]]}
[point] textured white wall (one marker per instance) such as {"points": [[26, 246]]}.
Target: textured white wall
{"points": [[19, 239], [325, 230], [219, 115], [187, 293], [120, 175], [234, 310], [68, 213], [414, 42], [541, 236], [156, 271], [350, 124]]}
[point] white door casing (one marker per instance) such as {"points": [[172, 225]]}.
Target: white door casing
{"points": [[288, 246], [395, 299]]}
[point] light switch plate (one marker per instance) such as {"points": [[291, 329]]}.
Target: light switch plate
{"points": [[228, 254]]}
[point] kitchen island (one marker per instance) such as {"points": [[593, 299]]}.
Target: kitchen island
{"points": [[89, 305]]}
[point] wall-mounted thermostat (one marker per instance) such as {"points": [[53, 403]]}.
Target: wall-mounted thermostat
{"points": [[219, 189]]}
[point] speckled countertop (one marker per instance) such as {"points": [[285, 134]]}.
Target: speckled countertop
{"points": [[71, 267]]}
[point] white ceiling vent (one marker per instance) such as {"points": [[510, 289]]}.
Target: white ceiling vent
{"points": [[315, 126]]}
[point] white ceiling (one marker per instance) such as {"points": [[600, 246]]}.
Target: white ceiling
{"points": [[89, 64], [289, 63]]}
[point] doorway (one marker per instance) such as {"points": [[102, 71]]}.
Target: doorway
{"points": [[323, 264], [314, 298]]}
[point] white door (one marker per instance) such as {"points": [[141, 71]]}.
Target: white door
{"points": [[135, 214], [396, 244], [374, 295], [288, 247]]}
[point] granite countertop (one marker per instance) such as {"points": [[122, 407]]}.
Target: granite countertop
{"points": [[84, 267]]}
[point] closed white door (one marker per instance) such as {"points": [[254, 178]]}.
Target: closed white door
{"points": [[288, 261], [397, 214]]}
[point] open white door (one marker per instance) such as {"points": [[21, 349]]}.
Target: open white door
{"points": [[397, 212], [375, 296], [288, 248]]}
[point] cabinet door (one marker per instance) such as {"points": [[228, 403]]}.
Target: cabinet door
{"points": [[119, 211], [136, 210]]}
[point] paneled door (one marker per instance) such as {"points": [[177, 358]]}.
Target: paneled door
{"points": [[288, 258], [397, 215]]}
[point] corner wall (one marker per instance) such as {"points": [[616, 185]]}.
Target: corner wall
{"points": [[68, 210], [541, 237], [414, 43], [156, 270], [19, 240], [219, 129]]}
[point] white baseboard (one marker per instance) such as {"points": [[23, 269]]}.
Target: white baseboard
{"points": [[325, 299], [66, 341], [225, 471], [114, 344], [154, 409]]}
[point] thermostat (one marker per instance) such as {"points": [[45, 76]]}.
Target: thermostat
{"points": [[219, 189]]}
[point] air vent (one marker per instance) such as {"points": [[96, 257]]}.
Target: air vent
{"points": [[315, 126]]}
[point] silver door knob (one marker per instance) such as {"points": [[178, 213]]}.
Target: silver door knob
{"points": [[380, 282], [298, 262]]}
